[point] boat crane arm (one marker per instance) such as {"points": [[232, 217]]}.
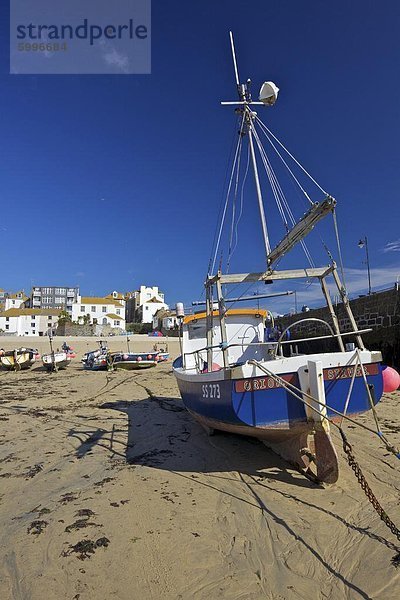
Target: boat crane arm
{"points": [[302, 228]]}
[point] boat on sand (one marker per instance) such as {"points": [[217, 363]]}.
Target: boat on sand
{"points": [[230, 376], [18, 359]]}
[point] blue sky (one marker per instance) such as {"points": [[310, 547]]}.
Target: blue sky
{"points": [[109, 182]]}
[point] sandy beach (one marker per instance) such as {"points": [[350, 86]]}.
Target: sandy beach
{"points": [[109, 489]]}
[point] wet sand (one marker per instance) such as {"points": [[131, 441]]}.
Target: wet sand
{"points": [[109, 489]]}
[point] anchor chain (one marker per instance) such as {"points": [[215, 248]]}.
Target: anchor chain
{"points": [[365, 487]]}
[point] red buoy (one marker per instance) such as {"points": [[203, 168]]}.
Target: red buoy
{"points": [[391, 379]]}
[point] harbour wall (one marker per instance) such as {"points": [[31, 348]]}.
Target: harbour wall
{"points": [[379, 311]]}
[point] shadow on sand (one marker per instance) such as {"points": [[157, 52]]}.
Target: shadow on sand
{"points": [[162, 434]]}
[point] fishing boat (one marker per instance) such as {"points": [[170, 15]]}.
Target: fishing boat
{"points": [[232, 378], [162, 349], [133, 360], [18, 359], [96, 360], [56, 360]]}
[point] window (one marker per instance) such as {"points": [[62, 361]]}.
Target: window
{"points": [[7, 318], [33, 317], [146, 308], [93, 309], [82, 309], [104, 321], [118, 311], [116, 323], [7, 327], [33, 332], [104, 308]]}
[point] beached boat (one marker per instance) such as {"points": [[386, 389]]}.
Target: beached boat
{"points": [[133, 360], [96, 360], [20, 358], [56, 360], [233, 379], [162, 349]]}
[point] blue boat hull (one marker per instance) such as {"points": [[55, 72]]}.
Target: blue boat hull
{"points": [[223, 401]]}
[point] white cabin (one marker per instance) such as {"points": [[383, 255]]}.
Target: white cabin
{"points": [[243, 327]]}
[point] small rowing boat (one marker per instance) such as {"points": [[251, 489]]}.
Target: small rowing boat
{"points": [[56, 360], [18, 359]]}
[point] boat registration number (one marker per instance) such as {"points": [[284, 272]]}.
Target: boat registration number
{"points": [[211, 390]]}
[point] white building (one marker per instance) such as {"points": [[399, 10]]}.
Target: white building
{"points": [[28, 321], [145, 302], [15, 300], [99, 311], [117, 296]]}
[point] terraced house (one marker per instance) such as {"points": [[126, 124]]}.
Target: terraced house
{"points": [[28, 321], [99, 311]]}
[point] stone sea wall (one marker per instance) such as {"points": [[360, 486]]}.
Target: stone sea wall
{"points": [[379, 311]]}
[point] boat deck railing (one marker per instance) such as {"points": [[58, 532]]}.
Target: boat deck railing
{"points": [[273, 346]]}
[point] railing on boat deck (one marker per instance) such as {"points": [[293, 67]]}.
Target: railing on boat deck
{"points": [[338, 335], [278, 344]]}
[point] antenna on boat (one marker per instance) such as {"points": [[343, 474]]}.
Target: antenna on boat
{"points": [[268, 96], [234, 58]]}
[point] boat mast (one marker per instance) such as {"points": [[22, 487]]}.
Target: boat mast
{"points": [[258, 188], [245, 100]]}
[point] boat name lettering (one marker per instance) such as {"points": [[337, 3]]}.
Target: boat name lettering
{"points": [[261, 383], [211, 390], [347, 372]]}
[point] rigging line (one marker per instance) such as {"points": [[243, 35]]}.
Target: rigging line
{"points": [[223, 189], [241, 200], [291, 156], [339, 247], [227, 197], [284, 162], [234, 206], [277, 184], [270, 171], [289, 211]]}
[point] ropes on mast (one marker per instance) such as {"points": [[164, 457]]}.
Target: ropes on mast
{"points": [[339, 247], [241, 208], [279, 196], [266, 130], [238, 146]]}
